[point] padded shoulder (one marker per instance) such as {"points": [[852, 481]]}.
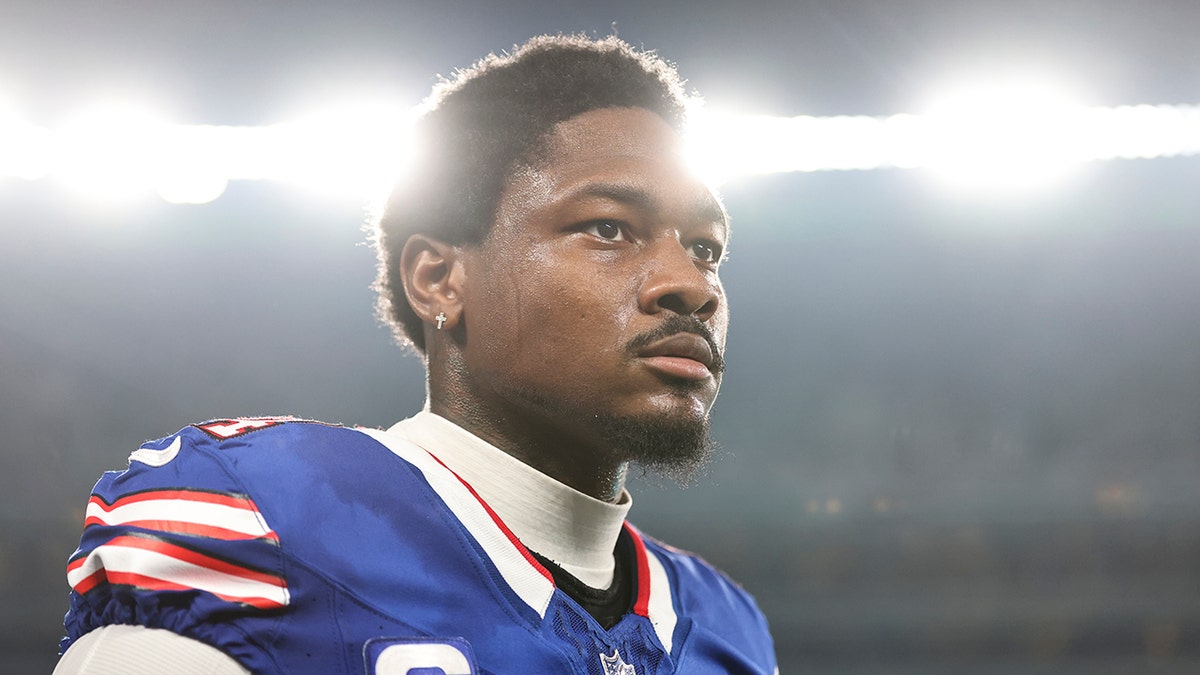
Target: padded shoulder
{"points": [[178, 540]]}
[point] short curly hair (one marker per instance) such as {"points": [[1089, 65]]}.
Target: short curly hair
{"points": [[486, 122]]}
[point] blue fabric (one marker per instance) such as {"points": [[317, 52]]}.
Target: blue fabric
{"points": [[369, 550]]}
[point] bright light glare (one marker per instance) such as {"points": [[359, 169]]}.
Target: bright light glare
{"points": [[112, 152], [119, 152], [1142, 132], [354, 149], [723, 145], [194, 165], [1006, 137], [24, 148], [1002, 136]]}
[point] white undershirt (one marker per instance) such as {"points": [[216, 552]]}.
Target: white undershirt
{"points": [[578, 532]]}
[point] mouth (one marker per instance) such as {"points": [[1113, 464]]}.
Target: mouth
{"points": [[685, 356]]}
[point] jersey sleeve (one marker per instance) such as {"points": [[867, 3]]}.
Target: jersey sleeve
{"points": [[175, 542]]}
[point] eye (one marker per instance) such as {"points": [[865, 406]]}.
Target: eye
{"points": [[706, 252], [606, 229]]}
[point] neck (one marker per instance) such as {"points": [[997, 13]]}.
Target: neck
{"points": [[579, 465], [573, 458]]}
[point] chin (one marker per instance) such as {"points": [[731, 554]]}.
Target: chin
{"points": [[673, 445]]}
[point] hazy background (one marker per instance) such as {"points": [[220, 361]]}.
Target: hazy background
{"points": [[960, 431]]}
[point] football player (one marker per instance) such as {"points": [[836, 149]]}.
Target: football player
{"points": [[556, 264]]}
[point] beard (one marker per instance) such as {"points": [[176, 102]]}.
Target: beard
{"points": [[680, 449]]}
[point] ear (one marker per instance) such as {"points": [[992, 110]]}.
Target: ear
{"points": [[433, 277]]}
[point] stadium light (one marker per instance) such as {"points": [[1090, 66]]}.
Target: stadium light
{"points": [[1143, 131], [1004, 136], [354, 149], [113, 152], [195, 166], [25, 149], [726, 145], [996, 138]]}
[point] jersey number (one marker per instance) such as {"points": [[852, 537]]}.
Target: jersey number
{"points": [[419, 656]]}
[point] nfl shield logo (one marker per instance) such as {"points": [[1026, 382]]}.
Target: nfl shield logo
{"points": [[614, 665]]}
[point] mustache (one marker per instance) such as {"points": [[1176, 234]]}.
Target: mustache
{"points": [[679, 323]]}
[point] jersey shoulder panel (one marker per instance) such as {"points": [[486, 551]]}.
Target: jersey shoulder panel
{"points": [[715, 608], [178, 541]]}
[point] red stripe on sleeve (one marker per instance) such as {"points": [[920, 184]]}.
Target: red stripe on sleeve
{"points": [[154, 584], [195, 558], [182, 527]]}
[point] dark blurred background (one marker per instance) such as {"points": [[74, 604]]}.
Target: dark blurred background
{"points": [[961, 432]]}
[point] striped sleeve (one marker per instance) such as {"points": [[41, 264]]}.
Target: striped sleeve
{"points": [[174, 542]]}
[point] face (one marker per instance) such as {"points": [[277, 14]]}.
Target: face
{"points": [[596, 298]]}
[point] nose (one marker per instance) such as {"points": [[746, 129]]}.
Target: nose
{"points": [[676, 283]]}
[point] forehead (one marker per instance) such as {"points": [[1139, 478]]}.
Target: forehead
{"points": [[614, 152], [612, 132]]}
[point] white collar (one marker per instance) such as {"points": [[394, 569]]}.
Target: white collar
{"points": [[578, 532]]}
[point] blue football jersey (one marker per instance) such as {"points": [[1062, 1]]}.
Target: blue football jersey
{"points": [[300, 547]]}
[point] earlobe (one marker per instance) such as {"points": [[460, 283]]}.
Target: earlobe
{"points": [[433, 276]]}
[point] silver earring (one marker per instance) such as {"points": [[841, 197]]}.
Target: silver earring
{"points": [[441, 319]]}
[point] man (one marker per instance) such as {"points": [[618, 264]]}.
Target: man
{"points": [[556, 264]]}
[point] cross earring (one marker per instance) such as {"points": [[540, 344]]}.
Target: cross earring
{"points": [[441, 319]]}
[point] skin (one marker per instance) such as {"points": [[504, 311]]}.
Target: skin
{"points": [[604, 240]]}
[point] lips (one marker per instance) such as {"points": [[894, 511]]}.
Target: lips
{"points": [[683, 355]]}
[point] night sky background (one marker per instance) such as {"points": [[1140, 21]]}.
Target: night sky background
{"points": [[960, 433]]}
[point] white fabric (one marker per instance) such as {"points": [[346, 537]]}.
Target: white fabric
{"points": [[137, 650], [578, 532]]}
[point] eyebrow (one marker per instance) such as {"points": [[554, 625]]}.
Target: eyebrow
{"points": [[705, 208]]}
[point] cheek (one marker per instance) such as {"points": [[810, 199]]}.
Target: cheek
{"points": [[571, 321], [579, 319], [549, 309], [721, 326], [525, 310]]}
